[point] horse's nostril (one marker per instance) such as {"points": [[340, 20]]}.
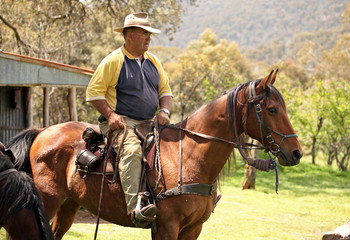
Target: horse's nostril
{"points": [[297, 154]]}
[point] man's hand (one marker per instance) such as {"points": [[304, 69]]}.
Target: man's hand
{"points": [[162, 118], [115, 121]]}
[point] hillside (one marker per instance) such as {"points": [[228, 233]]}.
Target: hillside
{"points": [[257, 22]]}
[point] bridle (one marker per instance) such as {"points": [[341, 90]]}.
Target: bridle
{"points": [[258, 163], [273, 146], [254, 100]]}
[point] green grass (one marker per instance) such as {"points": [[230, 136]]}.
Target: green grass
{"points": [[311, 201]]}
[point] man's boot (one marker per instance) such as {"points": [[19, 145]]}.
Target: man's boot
{"points": [[145, 212]]}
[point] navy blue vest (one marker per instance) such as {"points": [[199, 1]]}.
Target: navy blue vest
{"points": [[137, 95]]}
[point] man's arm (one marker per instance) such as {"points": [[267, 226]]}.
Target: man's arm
{"points": [[115, 121], [164, 103]]}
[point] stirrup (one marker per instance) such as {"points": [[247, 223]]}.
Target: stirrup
{"points": [[147, 213], [142, 216]]}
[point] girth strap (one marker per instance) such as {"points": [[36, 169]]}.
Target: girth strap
{"points": [[201, 189]]}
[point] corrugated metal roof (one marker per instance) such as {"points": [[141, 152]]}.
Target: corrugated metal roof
{"points": [[20, 70]]}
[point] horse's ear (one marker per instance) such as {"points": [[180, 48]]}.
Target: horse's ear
{"points": [[274, 75], [265, 82]]}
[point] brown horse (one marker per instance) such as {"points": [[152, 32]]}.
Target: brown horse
{"points": [[51, 153], [21, 211]]}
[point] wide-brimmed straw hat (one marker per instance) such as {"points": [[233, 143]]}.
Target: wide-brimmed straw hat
{"points": [[138, 19]]}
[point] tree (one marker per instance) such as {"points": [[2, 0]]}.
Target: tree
{"points": [[345, 20], [336, 136], [306, 107], [204, 70], [335, 63], [66, 31], [76, 32]]}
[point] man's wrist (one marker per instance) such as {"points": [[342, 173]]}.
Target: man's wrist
{"points": [[164, 110], [109, 113]]}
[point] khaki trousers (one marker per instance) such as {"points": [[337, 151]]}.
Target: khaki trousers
{"points": [[130, 159]]}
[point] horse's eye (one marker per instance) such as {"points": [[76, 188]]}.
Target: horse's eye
{"points": [[272, 110]]}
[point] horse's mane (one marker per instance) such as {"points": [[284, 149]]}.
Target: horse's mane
{"points": [[5, 163], [21, 148], [19, 192]]}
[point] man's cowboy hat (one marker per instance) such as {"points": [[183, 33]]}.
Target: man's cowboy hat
{"points": [[138, 19]]}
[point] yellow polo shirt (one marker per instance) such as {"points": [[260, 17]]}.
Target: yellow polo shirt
{"points": [[130, 87]]}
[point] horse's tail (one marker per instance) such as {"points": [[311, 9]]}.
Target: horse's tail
{"points": [[20, 193], [20, 146], [46, 231]]}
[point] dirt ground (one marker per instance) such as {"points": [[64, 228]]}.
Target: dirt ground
{"points": [[84, 216]]}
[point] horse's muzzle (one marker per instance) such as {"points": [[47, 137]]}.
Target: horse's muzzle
{"points": [[289, 158]]}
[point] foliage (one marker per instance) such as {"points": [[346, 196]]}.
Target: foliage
{"points": [[336, 137], [204, 70], [319, 112], [314, 66], [77, 33], [335, 64]]}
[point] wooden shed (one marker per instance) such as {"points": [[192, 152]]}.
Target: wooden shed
{"points": [[18, 75]]}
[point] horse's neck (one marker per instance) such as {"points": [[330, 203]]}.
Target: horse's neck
{"points": [[205, 158]]}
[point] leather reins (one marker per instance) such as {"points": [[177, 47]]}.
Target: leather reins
{"points": [[114, 180]]}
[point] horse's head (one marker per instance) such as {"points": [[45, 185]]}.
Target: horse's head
{"points": [[266, 120]]}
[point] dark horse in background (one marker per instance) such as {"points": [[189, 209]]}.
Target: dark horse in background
{"points": [[49, 155], [21, 210]]}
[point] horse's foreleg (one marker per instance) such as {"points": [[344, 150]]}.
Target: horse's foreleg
{"points": [[171, 232], [64, 218], [166, 231], [191, 233]]}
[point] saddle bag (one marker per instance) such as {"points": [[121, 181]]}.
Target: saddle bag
{"points": [[87, 160]]}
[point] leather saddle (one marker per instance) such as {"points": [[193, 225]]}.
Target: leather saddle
{"points": [[145, 133], [89, 159]]}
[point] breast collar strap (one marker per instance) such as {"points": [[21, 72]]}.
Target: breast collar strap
{"points": [[201, 189]]}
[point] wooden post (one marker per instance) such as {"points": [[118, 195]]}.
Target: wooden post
{"points": [[46, 105], [29, 108], [72, 93]]}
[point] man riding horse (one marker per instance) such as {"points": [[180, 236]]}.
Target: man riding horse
{"points": [[126, 89]]}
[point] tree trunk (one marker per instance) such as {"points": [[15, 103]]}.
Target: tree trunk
{"points": [[313, 150], [250, 172], [249, 177], [314, 139]]}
